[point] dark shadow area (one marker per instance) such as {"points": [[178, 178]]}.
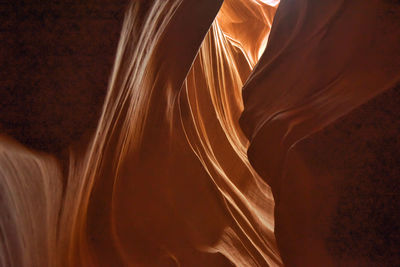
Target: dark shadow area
{"points": [[56, 57]]}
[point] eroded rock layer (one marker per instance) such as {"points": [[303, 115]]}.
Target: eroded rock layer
{"points": [[228, 135]]}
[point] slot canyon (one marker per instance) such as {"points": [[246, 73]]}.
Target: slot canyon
{"points": [[200, 133]]}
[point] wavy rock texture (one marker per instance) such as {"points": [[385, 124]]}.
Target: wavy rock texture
{"points": [[165, 179], [319, 109], [180, 169]]}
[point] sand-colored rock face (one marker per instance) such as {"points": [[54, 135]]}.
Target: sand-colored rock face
{"points": [[165, 179], [185, 170], [313, 112]]}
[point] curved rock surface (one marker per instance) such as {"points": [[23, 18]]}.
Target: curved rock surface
{"points": [[232, 133]]}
